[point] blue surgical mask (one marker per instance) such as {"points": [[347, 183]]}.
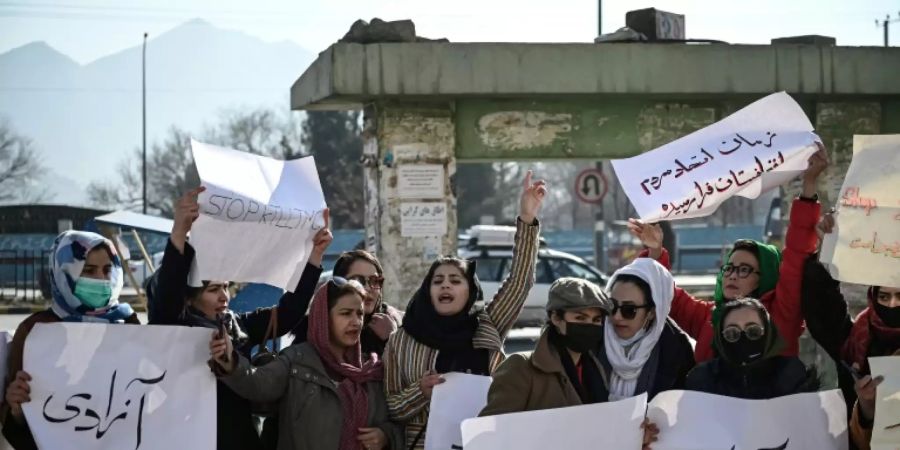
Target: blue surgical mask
{"points": [[93, 293]]}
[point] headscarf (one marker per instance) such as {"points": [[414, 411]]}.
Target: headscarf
{"points": [[425, 325], [773, 342], [355, 373], [67, 259], [628, 356], [769, 258], [868, 329]]}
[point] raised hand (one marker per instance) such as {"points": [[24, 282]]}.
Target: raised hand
{"points": [[532, 197], [650, 234], [187, 210], [818, 162], [321, 241]]}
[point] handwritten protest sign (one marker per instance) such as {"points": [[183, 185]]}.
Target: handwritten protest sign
{"points": [[865, 245], [461, 396], [600, 425], [696, 420], [747, 153], [120, 387], [886, 427], [257, 217]]}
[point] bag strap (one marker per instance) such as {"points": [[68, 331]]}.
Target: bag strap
{"points": [[271, 331]]}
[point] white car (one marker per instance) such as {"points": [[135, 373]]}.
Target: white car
{"points": [[491, 247]]}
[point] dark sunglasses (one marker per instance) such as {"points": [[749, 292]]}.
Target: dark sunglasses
{"points": [[753, 332], [628, 310], [743, 270], [374, 281]]}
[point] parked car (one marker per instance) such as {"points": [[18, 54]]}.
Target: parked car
{"points": [[491, 247]]}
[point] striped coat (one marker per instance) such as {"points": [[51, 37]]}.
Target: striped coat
{"points": [[407, 360]]}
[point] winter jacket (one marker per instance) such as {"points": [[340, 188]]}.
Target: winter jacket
{"points": [[309, 406], [694, 316], [18, 434], [668, 366], [777, 377], [407, 360], [534, 382], [235, 425]]}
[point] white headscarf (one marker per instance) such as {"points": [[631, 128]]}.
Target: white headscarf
{"points": [[627, 367]]}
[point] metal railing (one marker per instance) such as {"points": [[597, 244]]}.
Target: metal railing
{"points": [[24, 275]]}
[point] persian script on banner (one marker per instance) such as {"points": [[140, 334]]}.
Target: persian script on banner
{"points": [[257, 218], [747, 153], [864, 247], [120, 387]]}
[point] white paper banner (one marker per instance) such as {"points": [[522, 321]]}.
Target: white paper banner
{"points": [[865, 245], [120, 387], [461, 396], [257, 217], [5, 340], [699, 421], [614, 425], [747, 153], [886, 427]]}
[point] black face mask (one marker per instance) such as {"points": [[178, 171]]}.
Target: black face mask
{"points": [[582, 337], [745, 351], [890, 316]]}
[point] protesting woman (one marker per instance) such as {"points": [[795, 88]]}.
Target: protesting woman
{"points": [[444, 332], [329, 397], [753, 269], [644, 351], [86, 279], [748, 364], [175, 303]]}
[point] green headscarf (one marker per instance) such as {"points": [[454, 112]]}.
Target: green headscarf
{"points": [[769, 258], [774, 342]]}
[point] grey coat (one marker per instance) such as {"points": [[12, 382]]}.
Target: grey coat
{"points": [[309, 408]]}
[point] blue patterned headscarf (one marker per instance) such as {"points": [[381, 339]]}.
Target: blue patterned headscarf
{"points": [[67, 260]]}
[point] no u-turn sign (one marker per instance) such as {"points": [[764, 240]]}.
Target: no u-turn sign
{"points": [[590, 186]]}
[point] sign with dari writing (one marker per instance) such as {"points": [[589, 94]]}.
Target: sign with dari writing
{"points": [[747, 153], [864, 247], [120, 387]]}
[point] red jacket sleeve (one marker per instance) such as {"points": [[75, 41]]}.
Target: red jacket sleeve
{"points": [[799, 242], [663, 259]]}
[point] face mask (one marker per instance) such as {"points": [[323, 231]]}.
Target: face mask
{"points": [[93, 293], [890, 316], [745, 351], [582, 337]]}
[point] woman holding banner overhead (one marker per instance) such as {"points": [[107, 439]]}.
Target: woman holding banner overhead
{"points": [[753, 269], [86, 279], [329, 396], [443, 331], [173, 302], [749, 363], [850, 343]]}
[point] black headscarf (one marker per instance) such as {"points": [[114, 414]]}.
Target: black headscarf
{"points": [[451, 335]]}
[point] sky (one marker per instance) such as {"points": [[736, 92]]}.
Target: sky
{"points": [[89, 29]]}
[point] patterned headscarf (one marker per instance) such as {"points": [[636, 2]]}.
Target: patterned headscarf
{"points": [[67, 259], [868, 328], [356, 373]]}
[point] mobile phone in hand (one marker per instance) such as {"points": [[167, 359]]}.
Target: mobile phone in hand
{"points": [[220, 321], [853, 372]]}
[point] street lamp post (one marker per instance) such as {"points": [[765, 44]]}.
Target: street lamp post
{"points": [[144, 122]]}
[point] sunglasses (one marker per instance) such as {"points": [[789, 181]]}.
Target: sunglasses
{"points": [[753, 332], [374, 281], [742, 271], [628, 310]]}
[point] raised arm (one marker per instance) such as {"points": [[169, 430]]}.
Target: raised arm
{"points": [[403, 401], [507, 303]]}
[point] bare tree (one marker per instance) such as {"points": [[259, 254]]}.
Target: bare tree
{"points": [[20, 169]]}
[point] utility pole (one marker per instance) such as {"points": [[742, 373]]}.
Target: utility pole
{"points": [[886, 24], [144, 121], [599, 17]]}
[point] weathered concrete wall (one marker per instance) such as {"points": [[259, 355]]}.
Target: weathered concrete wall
{"points": [[402, 135]]}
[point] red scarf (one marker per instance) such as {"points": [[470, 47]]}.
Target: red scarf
{"points": [[352, 389], [867, 326]]}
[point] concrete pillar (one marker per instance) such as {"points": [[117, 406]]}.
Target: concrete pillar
{"points": [[407, 135]]}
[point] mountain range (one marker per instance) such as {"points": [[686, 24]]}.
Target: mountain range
{"points": [[85, 119]]}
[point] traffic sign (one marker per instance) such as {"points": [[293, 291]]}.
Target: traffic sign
{"points": [[591, 186]]}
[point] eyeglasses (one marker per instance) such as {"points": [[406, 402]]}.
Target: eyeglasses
{"points": [[628, 310], [732, 333], [742, 270], [373, 281]]}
